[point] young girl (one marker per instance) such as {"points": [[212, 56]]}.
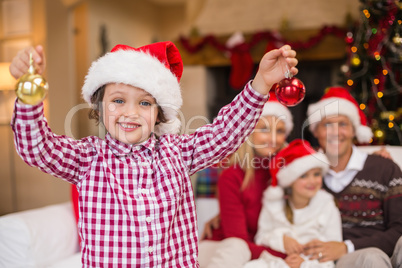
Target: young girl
{"points": [[240, 189], [135, 196], [305, 212]]}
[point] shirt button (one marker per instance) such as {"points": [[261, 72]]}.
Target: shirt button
{"points": [[138, 147], [144, 164], [148, 219], [150, 249], [144, 191]]}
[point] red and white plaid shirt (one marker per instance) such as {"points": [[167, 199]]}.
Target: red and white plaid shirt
{"points": [[136, 201]]}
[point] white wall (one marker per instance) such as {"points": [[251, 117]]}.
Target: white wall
{"points": [[194, 110], [228, 16]]}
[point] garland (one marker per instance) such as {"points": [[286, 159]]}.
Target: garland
{"points": [[242, 64], [269, 36]]}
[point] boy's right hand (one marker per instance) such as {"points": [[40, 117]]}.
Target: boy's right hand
{"points": [[20, 63]]}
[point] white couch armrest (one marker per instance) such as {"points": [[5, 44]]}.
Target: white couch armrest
{"points": [[394, 150], [38, 237]]}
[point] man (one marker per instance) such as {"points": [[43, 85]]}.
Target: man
{"points": [[367, 188]]}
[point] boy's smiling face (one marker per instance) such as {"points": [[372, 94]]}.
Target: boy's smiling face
{"points": [[129, 113]]}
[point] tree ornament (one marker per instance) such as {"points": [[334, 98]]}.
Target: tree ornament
{"points": [[345, 68], [355, 61], [379, 136], [290, 91], [397, 39], [349, 38], [31, 88]]}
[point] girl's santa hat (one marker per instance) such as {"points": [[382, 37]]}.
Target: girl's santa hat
{"points": [[290, 163], [338, 101], [155, 68], [275, 108]]}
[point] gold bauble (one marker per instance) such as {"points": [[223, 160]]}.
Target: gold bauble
{"points": [[379, 134], [397, 39], [31, 88], [355, 60]]}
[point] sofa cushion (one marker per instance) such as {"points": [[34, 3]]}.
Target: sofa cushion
{"points": [[38, 237], [73, 261]]}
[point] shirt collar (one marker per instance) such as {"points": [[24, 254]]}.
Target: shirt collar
{"points": [[337, 181], [357, 160], [122, 149]]}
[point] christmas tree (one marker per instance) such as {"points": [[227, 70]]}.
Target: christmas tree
{"points": [[373, 71]]}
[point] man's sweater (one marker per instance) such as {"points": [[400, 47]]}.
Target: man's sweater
{"points": [[371, 205]]}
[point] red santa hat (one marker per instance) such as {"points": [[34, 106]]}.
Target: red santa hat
{"points": [[275, 108], [290, 163], [155, 68], [338, 101]]}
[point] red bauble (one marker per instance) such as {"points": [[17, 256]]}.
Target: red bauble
{"points": [[290, 91]]}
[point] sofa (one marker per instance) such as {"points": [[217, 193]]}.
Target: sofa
{"points": [[42, 237], [47, 237]]}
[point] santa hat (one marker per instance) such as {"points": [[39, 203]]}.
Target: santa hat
{"points": [[338, 101], [155, 68], [275, 108], [290, 163]]}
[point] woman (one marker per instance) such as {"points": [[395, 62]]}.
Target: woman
{"points": [[240, 190]]}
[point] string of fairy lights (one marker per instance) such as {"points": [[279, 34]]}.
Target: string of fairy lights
{"points": [[373, 69]]}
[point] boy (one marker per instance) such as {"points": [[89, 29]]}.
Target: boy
{"points": [[135, 196]]}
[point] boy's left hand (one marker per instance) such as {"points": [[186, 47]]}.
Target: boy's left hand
{"points": [[20, 63], [273, 66]]}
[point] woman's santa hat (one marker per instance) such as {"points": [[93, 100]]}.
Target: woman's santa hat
{"points": [[275, 108], [292, 162], [155, 68], [338, 101]]}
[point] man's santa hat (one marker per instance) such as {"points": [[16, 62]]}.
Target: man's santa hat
{"points": [[155, 68], [292, 162], [338, 101], [275, 108]]}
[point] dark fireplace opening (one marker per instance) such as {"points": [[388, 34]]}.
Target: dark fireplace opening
{"points": [[316, 76]]}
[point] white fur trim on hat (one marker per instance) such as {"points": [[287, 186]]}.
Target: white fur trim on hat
{"points": [[281, 112], [338, 106], [289, 173], [142, 70], [273, 193]]}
